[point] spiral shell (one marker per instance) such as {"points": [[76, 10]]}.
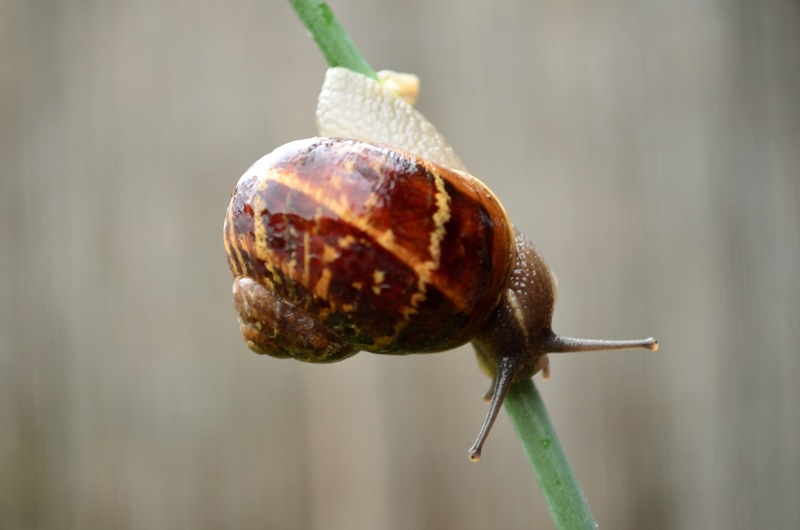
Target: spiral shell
{"points": [[388, 252]]}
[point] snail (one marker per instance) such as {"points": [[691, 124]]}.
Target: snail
{"points": [[338, 245]]}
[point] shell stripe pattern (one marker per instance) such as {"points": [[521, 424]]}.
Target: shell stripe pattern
{"points": [[369, 239]]}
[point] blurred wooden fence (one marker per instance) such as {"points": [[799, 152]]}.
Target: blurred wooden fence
{"points": [[651, 150]]}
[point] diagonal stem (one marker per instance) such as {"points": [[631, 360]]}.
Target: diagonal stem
{"points": [[564, 497], [330, 36]]}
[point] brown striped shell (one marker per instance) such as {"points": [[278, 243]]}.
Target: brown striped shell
{"points": [[339, 245]]}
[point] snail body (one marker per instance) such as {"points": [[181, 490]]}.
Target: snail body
{"points": [[339, 245]]}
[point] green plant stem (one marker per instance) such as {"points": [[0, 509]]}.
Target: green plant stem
{"points": [[331, 38], [564, 497]]}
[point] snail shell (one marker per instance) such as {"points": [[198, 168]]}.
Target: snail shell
{"points": [[367, 247]]}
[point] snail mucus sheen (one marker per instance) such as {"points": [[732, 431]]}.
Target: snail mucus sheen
{"points": [[338, 246]]}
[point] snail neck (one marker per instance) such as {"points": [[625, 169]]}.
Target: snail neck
{"points": [[521, 325]]}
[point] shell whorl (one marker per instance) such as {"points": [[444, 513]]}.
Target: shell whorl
{"points": [[394, 253]]}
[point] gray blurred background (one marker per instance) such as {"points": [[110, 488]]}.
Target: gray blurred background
{"points": [[650, 149]]}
